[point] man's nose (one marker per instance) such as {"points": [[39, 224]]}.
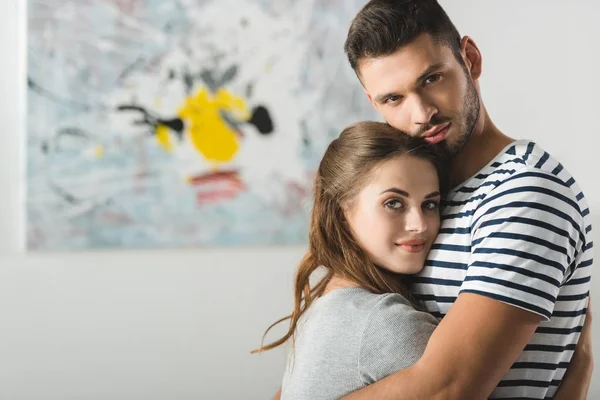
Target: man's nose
{"points": [[421, 111]]}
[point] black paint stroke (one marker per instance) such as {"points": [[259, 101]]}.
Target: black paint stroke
{"points": [[175, 124], [261, 119], [54, 98]]}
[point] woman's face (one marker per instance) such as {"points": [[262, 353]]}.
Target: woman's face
{"points": [[395, 217]]}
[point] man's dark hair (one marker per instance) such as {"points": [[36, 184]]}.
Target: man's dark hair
{"points": [[383, 26]]}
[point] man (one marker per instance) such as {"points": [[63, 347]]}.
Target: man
{"points": [[511, 267]]}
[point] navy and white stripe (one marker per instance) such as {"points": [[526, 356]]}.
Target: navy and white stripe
{"points": [[519, 232]]}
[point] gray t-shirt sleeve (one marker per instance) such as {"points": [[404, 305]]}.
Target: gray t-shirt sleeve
{"points": [[394, 338]]}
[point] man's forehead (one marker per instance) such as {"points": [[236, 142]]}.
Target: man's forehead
{"points": [[404, 65]]}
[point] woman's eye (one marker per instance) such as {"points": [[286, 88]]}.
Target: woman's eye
{"points": [[432, 79], [431, 205], [394, 204]]}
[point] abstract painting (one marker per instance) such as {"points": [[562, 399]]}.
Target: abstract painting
{"points": [[182, 123]]}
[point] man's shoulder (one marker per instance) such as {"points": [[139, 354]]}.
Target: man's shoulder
{"points": [[525, 165], [533, 167], [521, 171], [528, 157]]}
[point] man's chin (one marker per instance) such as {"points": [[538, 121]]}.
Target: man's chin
{"points": [[455, 143]]}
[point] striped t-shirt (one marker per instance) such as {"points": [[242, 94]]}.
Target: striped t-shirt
{"points": [[520, 232]]}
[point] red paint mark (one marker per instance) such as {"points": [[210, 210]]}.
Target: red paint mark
{"points": [[297, 189], [75, 233], [115, 218], [215, 177], [217, 186], [127, 6], [296, 194], [216, 196]]}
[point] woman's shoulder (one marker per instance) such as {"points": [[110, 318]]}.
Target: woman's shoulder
{"points": [[358, 302], [356, 296], [343, 306], [394, 337], [395, 311], [331, 329], [340, 317]]}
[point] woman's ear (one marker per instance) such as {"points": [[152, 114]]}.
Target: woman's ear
{"points": [[346, 214]]}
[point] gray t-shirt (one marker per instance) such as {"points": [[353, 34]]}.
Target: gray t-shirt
{"points": [[351, 338]]}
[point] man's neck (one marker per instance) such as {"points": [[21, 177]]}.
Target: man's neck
{"points": [[483, 146]]}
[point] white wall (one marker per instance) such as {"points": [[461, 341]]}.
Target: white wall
{"points": [[179, 324]]}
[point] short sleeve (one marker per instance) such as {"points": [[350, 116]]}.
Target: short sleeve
{"points": [[525, 235], [394, 338]]}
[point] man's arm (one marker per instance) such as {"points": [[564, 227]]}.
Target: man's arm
{"points": [[576, 382], [467, 355]]}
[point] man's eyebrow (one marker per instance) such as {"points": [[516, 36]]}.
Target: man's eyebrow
{"points": [[430, 70]]}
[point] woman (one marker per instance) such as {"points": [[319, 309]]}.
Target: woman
{"points": [[374, 219]]}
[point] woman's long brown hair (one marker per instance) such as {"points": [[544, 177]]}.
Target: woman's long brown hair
{"points": [[343, 171]]}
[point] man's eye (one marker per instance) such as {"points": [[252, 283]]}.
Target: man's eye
{"points": [[392, 99], [432, 79]]}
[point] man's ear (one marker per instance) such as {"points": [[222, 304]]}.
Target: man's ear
{"points": [[471, 57]]}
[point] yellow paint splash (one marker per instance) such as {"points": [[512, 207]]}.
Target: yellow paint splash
{"points": [[99, 152], [209, 133], [163, 138]]}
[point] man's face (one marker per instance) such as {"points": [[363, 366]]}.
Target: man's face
{"points": [[424, 91]]}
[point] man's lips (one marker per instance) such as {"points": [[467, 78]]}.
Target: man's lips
{"points": [[435, 130], [436, 134]]}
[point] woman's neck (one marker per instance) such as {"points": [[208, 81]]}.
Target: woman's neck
{"points": [[337, 282]]}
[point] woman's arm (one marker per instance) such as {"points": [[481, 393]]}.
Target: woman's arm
{"points": [[576, 382]]}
